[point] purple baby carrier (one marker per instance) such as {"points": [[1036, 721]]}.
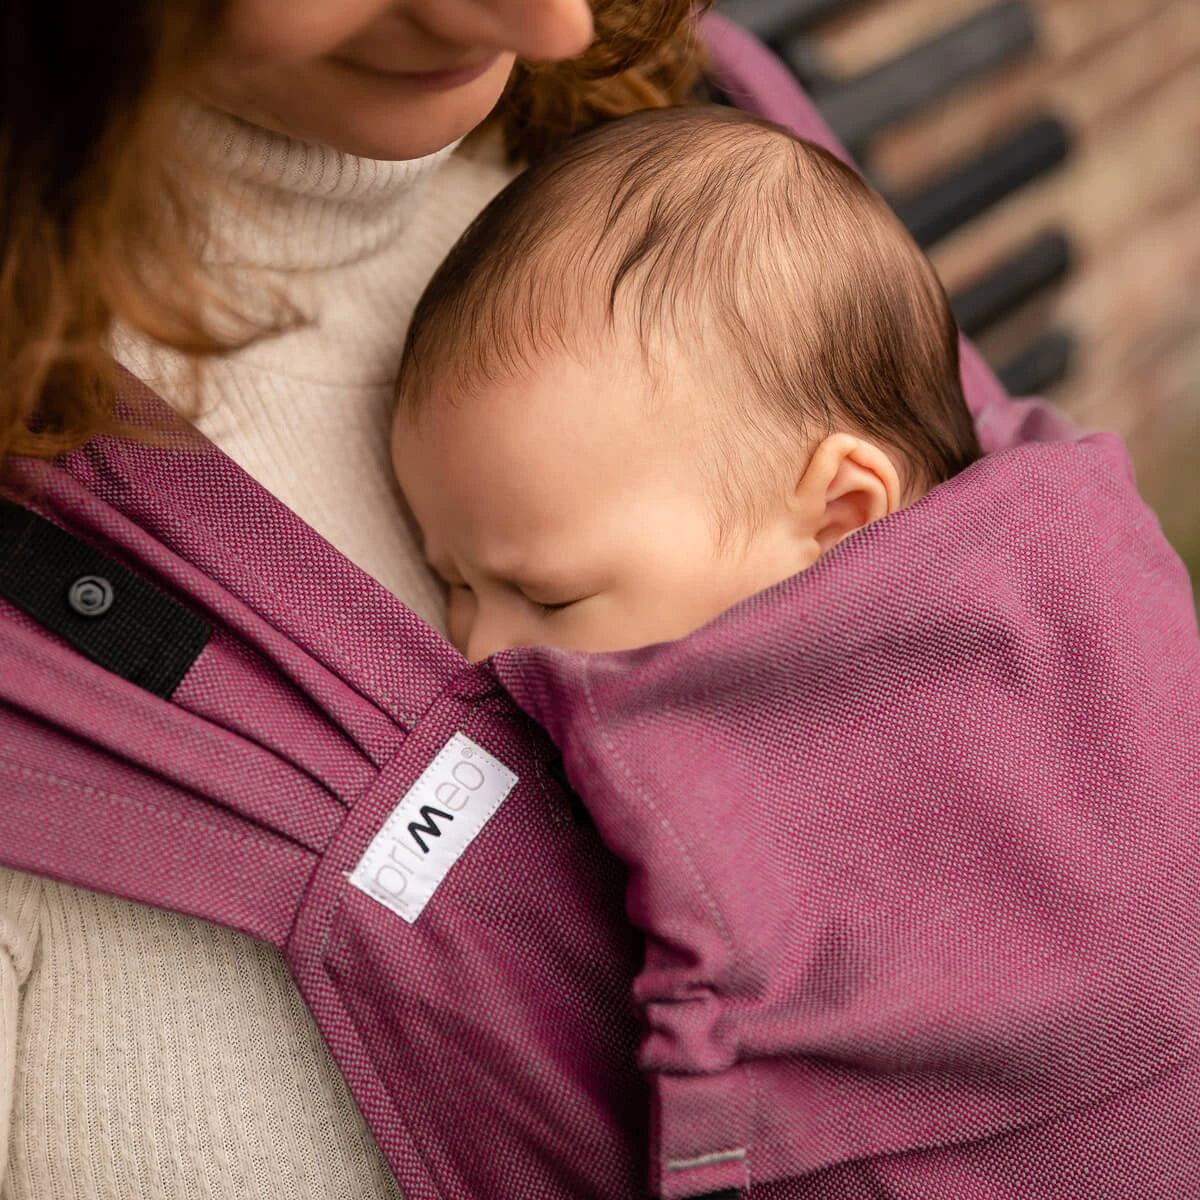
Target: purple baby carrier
{"points": [[885, 885]]}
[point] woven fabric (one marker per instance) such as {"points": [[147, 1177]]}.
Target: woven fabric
{"points": [[914, 839], [491, 1043]]}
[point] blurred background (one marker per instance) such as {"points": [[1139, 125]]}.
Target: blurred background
{"points": [[1046, 153]]}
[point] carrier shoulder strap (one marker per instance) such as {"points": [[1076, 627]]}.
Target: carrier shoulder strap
{"points": [[204, 707]]}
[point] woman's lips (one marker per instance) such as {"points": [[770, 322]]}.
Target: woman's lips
{"points": [[433, 81]]}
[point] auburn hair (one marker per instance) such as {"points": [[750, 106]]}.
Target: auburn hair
{"points": [[96, 221]]}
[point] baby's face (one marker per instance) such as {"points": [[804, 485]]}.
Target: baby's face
{"points": [[572, 510]]}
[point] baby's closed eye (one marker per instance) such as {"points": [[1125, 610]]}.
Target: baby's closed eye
{"points": [[550, 601]]}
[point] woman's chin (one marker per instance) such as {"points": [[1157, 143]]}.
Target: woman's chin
{"points": [[366, 113], [398, 118]]}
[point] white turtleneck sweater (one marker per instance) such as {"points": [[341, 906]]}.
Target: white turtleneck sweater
{"points": [[144, 1054]]}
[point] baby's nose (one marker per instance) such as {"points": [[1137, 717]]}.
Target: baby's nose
{"points": [[475, 652], [484, 639]]}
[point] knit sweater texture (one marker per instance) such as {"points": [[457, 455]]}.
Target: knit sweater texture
{"points": [[145, 1054]]}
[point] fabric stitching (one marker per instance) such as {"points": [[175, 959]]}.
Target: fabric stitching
{"points": [[146, 809], [666, 824]]}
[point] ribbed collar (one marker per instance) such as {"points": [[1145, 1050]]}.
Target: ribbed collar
{"points": [[291, 205]]}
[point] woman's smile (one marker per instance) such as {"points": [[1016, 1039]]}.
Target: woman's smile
{"points": [[437, 80]]}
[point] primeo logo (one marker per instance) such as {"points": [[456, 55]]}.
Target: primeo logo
{"points": [[432, 825]]}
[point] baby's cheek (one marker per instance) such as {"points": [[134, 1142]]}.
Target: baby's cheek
{"points": [[598, 624]]}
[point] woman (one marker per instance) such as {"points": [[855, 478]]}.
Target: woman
{"points": [[276, 182]]}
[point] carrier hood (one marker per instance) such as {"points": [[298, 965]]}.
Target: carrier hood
{"points": [[913, 836]]}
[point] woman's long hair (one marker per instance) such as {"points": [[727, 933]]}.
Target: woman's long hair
{"points": [[96, 220]]}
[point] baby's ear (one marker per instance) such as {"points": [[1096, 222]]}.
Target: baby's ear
{"points": [[848, 483]]}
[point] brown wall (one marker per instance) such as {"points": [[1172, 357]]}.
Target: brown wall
{"points": [[1125, 76]]}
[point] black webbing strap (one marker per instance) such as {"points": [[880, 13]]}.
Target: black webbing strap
{"points": [[105, 611]]}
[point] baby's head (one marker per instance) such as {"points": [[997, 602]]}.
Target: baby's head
{"points": [[668, 367]]}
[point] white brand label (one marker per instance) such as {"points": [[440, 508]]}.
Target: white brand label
{"points": [[431, 827]]}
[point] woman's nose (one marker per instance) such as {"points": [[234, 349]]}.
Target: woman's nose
{"points": [[538, 30]]}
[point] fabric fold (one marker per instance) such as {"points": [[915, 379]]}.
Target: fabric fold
{"points": [[911, 836]]}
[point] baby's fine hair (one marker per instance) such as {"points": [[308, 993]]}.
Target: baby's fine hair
{"points": [[801, 303]]}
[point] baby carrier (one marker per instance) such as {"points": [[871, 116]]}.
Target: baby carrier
{"points": [[764, 947]]}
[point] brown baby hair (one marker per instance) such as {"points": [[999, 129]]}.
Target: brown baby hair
{"points": [[787, 281]]}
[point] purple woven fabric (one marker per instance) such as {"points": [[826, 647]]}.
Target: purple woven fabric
{"points": [[491, 1045], [1029, 995], [914, 838]]}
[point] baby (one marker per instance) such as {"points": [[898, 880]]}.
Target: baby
{"points": [[666, 368], [884, 825]]}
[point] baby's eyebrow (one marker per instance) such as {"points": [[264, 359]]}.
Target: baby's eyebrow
{"points": [[533, 583], [538, 582]]}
